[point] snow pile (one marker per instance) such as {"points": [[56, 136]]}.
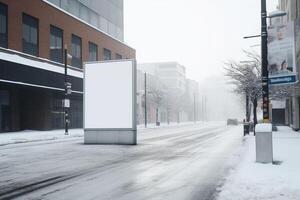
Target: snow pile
{"points": [[279, 181]]}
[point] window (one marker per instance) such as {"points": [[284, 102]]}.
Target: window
{"points": [[93, 18], [56, 44], [118, 56], [84, 13], [103, 24], [93, 52], [76, 51], [73, 7], [107, 54], [3, 25], [111, 29], [30, 35]]}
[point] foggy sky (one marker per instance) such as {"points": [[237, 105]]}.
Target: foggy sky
{"points": [[199, 34]]}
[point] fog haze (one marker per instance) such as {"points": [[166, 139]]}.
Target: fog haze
{"points": [[201, 35]]}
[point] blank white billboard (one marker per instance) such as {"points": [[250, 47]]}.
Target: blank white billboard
{"points": [[109, 95]]}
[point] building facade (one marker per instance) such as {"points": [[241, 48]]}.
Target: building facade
{"points": [[32, 41], [292, 107], [172, 74]]}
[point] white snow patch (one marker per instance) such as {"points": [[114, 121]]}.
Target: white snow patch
{"points": [[263, 128]]}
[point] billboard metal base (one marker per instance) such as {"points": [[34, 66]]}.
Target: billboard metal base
{"points": [[126, 137]]}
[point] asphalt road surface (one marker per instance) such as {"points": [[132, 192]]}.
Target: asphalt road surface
{"points": [[187, 162]]}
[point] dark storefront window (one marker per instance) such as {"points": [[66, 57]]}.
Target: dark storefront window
{"points": [[30, 35], [56, 44], [5, 111], [75, 112], [3, 25], [107, 54], [76, 51], [57, 112], [93, 52], [118, 57]]}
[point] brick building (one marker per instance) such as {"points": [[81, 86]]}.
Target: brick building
{"points": [[33, 34]]}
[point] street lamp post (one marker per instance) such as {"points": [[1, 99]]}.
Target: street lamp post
{"points": [[195, 108], [264, 62], [145, 100], [68, 90]]}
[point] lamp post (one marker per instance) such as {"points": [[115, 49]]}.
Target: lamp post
{"points": [[145, 96], [68, 91], [264, 62], [195, 108]]}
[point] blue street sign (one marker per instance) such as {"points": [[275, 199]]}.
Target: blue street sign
{"points": [[283, 80]]}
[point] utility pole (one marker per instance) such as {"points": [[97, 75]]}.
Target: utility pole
{"points": [[195, 109], [202, 108], [68, 90], [145, 96], [264, 60]]}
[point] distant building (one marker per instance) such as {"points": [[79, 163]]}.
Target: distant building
{"points": [[32, 38], [179, 92], [171, 74]]}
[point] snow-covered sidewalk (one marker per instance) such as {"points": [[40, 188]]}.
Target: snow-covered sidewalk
{"points": [[36, 136], [280, 180]]}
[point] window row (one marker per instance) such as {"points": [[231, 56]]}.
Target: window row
{"points": [[56, 49], [110, 21], [30, 41]]}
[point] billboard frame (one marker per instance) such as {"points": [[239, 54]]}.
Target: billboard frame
{"points": [[282, 78], [112, 135]]}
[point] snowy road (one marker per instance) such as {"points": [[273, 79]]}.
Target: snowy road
{"points": [[185, 162]]}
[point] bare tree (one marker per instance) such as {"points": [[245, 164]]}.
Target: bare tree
{"points": [[247, 79], [157, 96]]}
